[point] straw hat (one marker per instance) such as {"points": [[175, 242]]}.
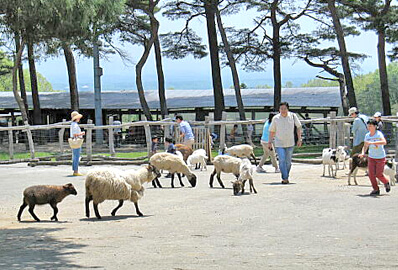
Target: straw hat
{"points": [[352, 110], [75, 115]]}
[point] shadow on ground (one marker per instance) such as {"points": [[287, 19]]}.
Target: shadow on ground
{"points": [[35, 248]]}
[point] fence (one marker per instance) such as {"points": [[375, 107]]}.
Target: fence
{"points": [[47, 142]]}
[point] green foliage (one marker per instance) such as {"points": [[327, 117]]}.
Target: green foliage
{"points": [[367, 88], [319, 83], [43, 84], [5, 64]]}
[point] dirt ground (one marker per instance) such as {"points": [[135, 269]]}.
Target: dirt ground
{"points": [[313, 223]]}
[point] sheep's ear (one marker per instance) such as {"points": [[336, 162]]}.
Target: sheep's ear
{"points": [[232, 182], [67, 186]]}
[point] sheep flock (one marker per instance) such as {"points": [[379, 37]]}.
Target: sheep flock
{"points": [[103, 184]]}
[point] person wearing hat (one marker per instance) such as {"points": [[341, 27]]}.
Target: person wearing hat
{"points": [[359, 130], [377, 117], [75, 131]]}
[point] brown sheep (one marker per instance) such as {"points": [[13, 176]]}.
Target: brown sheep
{"points": [[186, 151], [44, 194]]}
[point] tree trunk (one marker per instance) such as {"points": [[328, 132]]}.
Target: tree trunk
{"points": [[210, 10], [343, 54], [234, 71], [20, 75], [343, 96], [138, 68], [34, 86], [18, 98], [276, 57], [159, 70], [381, 53], [70, 63]]}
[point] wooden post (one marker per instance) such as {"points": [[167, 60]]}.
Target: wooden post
{"points": [[10, 142], [396, 147], [111, 138], [89, 140], [61, 133], [148, 137], [347, 127], [30, 140], [333, 131], [340, 134], [222, 132], [208, 139]]}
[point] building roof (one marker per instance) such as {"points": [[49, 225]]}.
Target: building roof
{"points": [[179, 99]]}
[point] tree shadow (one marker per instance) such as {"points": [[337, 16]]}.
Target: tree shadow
{"points": [[221, 188], [36, 248]]}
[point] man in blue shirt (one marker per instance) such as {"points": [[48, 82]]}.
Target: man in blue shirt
{"points": [[359, 130], [185, 131]]}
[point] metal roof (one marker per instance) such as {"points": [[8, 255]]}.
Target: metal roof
{"points": [[297, 97]]}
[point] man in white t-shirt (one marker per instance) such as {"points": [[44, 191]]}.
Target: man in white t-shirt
{"points": [[282, 130]]}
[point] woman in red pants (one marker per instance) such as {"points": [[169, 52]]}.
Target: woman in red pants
{"points": [[375, 141]]}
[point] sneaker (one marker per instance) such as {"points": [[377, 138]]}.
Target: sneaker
{"points": [[387, 186], [285, 182], [78, 174], [375, 193], [277, 171], [260, 170]]}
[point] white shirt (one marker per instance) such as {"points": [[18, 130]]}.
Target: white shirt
{"points": [[74, 129], [284, 129]]}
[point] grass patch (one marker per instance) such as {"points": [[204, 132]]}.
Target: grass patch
{"points": [[6, 156]]}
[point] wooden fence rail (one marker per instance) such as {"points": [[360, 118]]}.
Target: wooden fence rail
{"points": [[339, 131]]}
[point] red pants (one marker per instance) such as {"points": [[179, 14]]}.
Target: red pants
{"points": [[375, 170]]}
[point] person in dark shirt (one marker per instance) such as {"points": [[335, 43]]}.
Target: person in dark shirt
{"points": [[171, 148], [154, 146]]}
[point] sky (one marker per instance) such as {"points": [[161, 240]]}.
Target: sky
{"points": [[192, 73]]}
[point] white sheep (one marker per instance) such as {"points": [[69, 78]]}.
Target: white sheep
{"points": [[113, 184], [203, 153], [242, 151], [341, 156], [246, 173], [198, 158], [329, 159], [226, 164], [390, 169], [173, 164]]}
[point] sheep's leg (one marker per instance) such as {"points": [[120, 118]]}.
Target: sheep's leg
{"points": [[243, 186], [180, 178], [31, 207], [96, 210], [252, 186], [117, 207], [156, 183], [337, 165], [219, 180], [355, 176], [88, 199], [137, 210], [172, 179], [323, 174], [254, 157], [23, 206], [54, 206], [212, 178]]}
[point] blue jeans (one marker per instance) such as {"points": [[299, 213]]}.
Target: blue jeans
{"points": [[285, 160], [75, 159]]}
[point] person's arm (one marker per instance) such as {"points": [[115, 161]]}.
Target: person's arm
{"points": [[298, 125]]}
